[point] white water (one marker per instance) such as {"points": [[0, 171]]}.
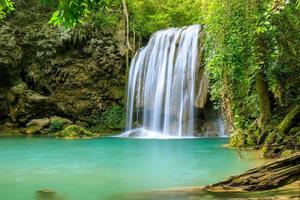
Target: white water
{"points": [[162, 85]]}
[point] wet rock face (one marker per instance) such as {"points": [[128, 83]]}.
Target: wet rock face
{"points": [[75, 74]]}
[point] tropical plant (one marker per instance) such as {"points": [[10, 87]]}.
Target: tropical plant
{"points": [[6, 7]]}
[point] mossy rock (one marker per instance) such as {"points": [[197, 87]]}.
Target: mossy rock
{"points": [[58, 124], [10, 131], [76, 73], [36, 126], [74, 131]]}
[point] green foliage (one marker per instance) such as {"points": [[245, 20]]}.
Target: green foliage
{"points": [[55, 126], [152, 15], [244, 37], [6, 7], [112, 118], [48, 3], [71, 12], [237, 139], [108, 13], [231, 57], [146, 17], [105, 13]]}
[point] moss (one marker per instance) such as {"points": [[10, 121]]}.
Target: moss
{"points": [[271, 138], [286, 153], [237, 139], [76, 73], [55, 126], [264, 150], [298, 139], [294, 131], [272, 151], [291, 118], [10, 130], [58, 124], [74, 131], [263, 98], [111, 119], [250, 141], [16, 91]]}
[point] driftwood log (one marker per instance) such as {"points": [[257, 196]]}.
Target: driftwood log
{"points": [[269, 176]]}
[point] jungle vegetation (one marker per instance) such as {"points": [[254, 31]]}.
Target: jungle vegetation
{"points": [[252, 54]]}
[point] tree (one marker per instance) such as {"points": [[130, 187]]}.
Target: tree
{"points": [[6, 7]]}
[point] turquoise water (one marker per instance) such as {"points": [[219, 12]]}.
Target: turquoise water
{"points": [[111, 168]]}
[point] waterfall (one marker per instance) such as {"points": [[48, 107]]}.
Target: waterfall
{"points": [[162, 95]]}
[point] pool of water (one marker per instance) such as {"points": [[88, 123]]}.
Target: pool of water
{"points": [[111, 168]]}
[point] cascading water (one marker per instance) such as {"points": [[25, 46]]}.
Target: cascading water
{"points": [[162, 86]]}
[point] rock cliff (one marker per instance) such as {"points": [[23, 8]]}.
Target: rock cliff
{"points": [[45, 71]]}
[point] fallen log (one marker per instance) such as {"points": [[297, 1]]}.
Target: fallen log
{"points": [[269, 176]]}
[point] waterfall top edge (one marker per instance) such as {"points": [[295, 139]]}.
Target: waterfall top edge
{"points": [[176, 29]]}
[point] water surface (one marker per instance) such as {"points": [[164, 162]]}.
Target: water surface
{"points": [[110, 168]]}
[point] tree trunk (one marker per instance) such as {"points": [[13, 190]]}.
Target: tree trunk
{"points": [[128, 47], [270, 176], [125, 10], [263, 98], [290, 119]]}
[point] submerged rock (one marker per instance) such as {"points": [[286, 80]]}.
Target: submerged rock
{"points": [[47, 194]]}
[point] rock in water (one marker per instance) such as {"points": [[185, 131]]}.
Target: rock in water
{"points": [[46, 194], [74, 132]]}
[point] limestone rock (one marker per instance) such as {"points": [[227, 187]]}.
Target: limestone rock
{"points": [[47, 71], [36, 126], [62, 120], [25, 104]]}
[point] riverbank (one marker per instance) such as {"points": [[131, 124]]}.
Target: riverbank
{"points": [[276, 180], [288, 192]]}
